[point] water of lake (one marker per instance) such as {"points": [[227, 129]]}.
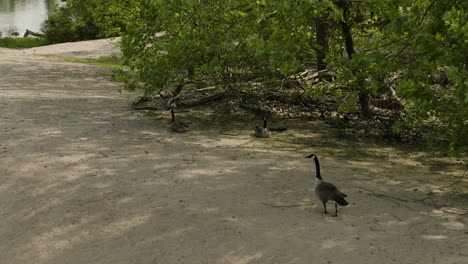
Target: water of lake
{"points": [[19, 15]]}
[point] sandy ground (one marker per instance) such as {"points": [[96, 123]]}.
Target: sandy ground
{"points": [[83, 179]]}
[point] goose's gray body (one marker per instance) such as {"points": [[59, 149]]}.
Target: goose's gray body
{"points": [[326, 191], [262, 132]]}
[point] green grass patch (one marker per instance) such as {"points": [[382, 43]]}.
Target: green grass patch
{"points": [[105, 61], [109, 62], [22, 43]]}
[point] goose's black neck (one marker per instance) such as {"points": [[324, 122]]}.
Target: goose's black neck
{"points": [[317, 168], [172, 113], [265, 123]]}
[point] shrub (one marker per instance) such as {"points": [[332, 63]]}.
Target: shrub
{"points": [[66, 24], [87, 19]]}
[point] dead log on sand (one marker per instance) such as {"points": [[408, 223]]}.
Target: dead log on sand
{"points": [[32, 33]]}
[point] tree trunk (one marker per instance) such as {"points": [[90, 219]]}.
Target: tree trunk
{"points": [[321, 36], [349, 45], [346, 29], [322, 41], [364, 103]]}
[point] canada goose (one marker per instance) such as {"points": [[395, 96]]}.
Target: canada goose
{"points": [[326, 191], [262, 132], [177, 126]]}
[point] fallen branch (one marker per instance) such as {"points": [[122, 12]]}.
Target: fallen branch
{"points": [[32, 33], [202, 100], [259, 110], [205, 89]]}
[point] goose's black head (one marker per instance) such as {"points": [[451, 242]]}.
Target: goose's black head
{"points": [[317, 165]]}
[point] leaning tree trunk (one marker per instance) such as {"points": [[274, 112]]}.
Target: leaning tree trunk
{"points": [[322, 41], [349, 45], [321, 28], [364, 103]]}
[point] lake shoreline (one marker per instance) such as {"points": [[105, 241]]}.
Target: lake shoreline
{"points": [[18, 16]]}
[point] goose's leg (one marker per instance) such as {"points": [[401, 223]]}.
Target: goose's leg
{"points": [[336, 209], [325, 207]]}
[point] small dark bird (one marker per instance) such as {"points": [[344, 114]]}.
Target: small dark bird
{"points": [[262, 132], [326, 191], [177, 126]]}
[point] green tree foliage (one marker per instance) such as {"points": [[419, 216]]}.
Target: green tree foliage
{"points": [[426, 44], [421, 45], [217, 40]]}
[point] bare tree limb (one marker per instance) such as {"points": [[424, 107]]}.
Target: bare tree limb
{"points": [[32, 33]]}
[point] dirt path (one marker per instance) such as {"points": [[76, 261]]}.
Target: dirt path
{"points": [[83, 179]]}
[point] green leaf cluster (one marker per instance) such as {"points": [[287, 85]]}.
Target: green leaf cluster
{"points": [[430, 50], [176, 41]]}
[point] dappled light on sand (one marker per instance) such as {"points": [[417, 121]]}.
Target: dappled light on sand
{"points": [[57, 239], [84, 179]]}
